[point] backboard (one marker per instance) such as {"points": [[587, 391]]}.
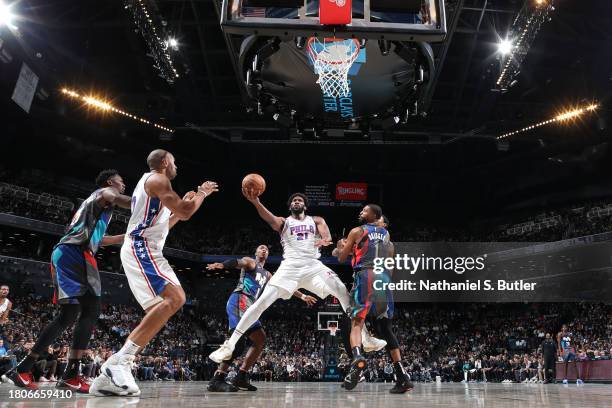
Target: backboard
{"points": [[403, 20]]}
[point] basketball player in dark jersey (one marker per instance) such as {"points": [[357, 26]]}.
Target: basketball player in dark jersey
{"points": [[364, 243], [253, 278], [568, 353], [77, 282]]}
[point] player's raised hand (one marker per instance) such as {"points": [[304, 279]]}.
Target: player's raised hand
{"points": [[323, 243], [310, 300], [209, 187], [213, 266], [189, 196], [250, 194]]}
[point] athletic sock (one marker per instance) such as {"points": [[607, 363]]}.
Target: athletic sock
{"points": [[129, 348], [236, 335], [72, 369], [26, 364]]}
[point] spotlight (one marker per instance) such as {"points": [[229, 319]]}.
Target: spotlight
{"points": [[6, 17], [173, 43], [505, 47]]}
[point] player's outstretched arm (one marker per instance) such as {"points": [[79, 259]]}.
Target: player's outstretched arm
{"points": [[175, 218], [111, 197], [347, 247], [247, 263], [276, 223], [112, 240], [159, 186], [323, 231]]}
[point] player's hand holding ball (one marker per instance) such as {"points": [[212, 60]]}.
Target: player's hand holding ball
{"points": [[253, 185]]}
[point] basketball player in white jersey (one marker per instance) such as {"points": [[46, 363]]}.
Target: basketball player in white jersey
{"points": [[300, 268], [5, 304], [155, 209]]}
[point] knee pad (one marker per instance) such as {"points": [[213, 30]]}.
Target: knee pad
{"points": [[383, 328]]}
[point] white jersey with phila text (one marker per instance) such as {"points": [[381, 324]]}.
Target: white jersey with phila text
{"points": [[149, 217], [298, 239]]}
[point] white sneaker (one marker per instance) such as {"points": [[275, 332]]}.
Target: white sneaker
{"points": [[43, 379], [222, 353], [118, 368], [102, 386], [371, 343]]}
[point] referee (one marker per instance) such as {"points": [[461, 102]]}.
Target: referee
{"points": [[549, 352]]}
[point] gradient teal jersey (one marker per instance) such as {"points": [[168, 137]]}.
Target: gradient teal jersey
{"points": [[88, 224]]}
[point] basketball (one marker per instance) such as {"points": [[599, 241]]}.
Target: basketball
{"points": [[254, 182]]}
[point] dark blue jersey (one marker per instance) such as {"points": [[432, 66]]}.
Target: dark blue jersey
{"points": [[252, 282]]}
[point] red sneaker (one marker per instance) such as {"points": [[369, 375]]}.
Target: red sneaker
{"points": [[23, 380], [76, 384]]}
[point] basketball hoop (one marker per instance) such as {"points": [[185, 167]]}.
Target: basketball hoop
{"points": [[333, 330], [332, 59]]}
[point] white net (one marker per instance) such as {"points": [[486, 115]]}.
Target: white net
{"points": [[332, 61]]}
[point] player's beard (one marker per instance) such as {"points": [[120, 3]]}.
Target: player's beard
{"points": [[296, 212]]}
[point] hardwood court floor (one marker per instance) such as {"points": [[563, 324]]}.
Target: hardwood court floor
{"points": [[315, 395]]}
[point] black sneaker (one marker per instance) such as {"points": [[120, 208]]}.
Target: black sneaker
{"points": [[355, 373], [218, 385], [242, 382], [402, 386]]}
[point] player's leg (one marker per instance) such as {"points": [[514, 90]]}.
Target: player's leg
{"points": [[324, 282], [157, 289], [257, 339], [383, 328], [281, 286], [235, 308], [362, 297], [67, 271], [90, 310], [21, 375], [270, 294], [565, 364]]}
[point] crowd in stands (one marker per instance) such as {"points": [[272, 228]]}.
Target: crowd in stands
{"points": [[566, 222], [463, 342], [456, 343]]}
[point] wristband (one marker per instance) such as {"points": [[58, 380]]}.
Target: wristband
{"points": [[230, 263], [200, 190], [303, 296]]}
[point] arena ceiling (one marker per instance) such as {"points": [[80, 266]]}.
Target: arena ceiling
{"points": [[94, 45]]}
